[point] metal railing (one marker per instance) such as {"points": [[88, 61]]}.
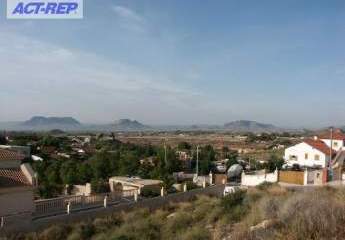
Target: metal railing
{"points": [[53, 206]]}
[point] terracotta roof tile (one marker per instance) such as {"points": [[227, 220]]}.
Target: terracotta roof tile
{"points": [[48, 149], [319, 145], [12, 177], [7, 155], [337, 135]]}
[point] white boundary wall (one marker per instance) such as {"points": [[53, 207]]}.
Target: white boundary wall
{"points": [[258, 178]]}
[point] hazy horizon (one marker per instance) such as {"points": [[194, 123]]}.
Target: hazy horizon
{"points": [[179, 63], [219, 124]]}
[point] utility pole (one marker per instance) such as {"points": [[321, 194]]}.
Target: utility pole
{"points": [[197, 160], [331, 154], [165, 154]]}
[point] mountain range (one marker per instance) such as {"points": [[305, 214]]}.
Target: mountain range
{"points": [[41, 123]]}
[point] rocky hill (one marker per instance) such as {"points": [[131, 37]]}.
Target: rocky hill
{"points": [[250, 126], [50, 123], [41, 121], [129, 125]]}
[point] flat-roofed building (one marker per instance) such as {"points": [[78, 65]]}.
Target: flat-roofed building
{"points": [[119, 183]]}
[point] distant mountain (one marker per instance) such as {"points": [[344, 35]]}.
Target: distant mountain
{"points": [[44, 121], [40, 123], [250, 126], [129, 125]]}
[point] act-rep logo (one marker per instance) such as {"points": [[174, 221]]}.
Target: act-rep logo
{"points": [[40, 9]]}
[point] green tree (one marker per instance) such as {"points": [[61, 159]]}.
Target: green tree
{"points": [[232, 155], [273, 163], [145, 170], [68, 172], [100, 164], [184, 146], [206, 156], [129, 164], [85, 173], [3, 140], [50, 141], [167, 161]]}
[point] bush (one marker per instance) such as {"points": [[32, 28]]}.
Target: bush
{"points": [[233, 205], [269, 207], [179, 221], [103, 224], [149, 193], [264, 186], [99, 186], [203, 209], [191, 185], [313, 215], [233, 200], [86, 230], [55, 232], [196, 233]]}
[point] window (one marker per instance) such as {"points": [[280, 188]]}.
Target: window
{"points": [[317, 157], [292, 157], [306, 156], [335, 144]]}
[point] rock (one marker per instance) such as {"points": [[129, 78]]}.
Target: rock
{"points": [[263, 225], [171, 215]]}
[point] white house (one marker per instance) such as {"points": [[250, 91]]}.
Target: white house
{"points": [[315, 152]]}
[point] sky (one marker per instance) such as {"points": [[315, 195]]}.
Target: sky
{"points": [[179, 62]]}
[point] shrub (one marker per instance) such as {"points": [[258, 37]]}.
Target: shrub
{"points": [[103, 224], [313, 215], [85, 230], [74, 235], [149, 193], [269, 207], [99, 186], [180, 221], [196, 233], [139, 224], [204, 207], [233, 200], [55, 232], [191, 185], [233, 205], [264, 186]]}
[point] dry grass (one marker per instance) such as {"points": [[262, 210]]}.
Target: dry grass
{"points": [[313, 215]]}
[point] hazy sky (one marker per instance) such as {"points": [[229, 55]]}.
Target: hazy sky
{"points": [[179, 62]]}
